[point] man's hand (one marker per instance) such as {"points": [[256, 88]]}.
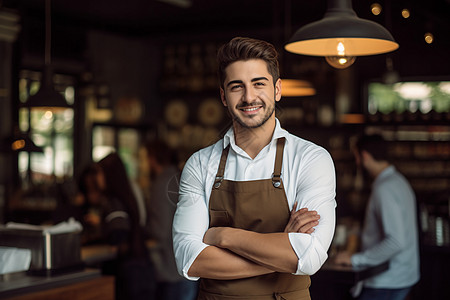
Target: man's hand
{"points": [[343, 258], [302, 220]]}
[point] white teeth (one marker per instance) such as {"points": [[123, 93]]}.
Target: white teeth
{"points": [[250, 109]]}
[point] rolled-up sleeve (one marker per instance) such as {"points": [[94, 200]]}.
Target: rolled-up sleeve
{"points": [[191, 218], [316, 190]]}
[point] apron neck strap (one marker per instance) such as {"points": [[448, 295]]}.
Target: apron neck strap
{"points": [[276, 177], [221, 170]]}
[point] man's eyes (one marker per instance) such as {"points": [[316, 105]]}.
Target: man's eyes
{"points": [[239, 86], [235, 87]]}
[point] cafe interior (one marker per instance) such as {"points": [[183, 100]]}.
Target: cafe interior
{"points": [[82, 79]]}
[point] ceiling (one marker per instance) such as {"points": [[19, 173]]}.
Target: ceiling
{"points": [[142, 17], [278, 18]]}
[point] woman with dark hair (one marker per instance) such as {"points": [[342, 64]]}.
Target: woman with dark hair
{"points": [[108, 181], [117, 185]]}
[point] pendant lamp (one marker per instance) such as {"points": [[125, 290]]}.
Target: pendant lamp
{"points": [[19, 142], [296, 88], [47, 97], [340, 36]]}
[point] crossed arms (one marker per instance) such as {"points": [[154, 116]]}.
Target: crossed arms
{"points": [[236, 253]]}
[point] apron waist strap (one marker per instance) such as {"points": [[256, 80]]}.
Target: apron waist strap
{"points": [[297, 295], [294, 295]]}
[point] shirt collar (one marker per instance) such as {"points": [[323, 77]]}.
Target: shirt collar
{"points": [[278, 133], [385, 173]]}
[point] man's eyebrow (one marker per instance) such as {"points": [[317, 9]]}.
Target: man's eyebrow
{"points": [[253, 80], [259, 78], [234, 82]]}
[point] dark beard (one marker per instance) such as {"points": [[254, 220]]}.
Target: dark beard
{"points": [[266, 117]]}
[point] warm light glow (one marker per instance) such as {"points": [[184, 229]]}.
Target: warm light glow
{"points": [[352, 118], [340, 49], [327, 46], [429, 38], [406, 13], [48, 115], [376, 9], [17, 145], [296, 88], [340, 62], [340, 59]]}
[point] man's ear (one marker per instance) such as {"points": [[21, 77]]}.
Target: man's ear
{"points": [[222, 97], [278, 90]]}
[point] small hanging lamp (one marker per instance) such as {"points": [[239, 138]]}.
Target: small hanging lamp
{"points": [[19, 142], [340, 36], [47, 97], [296, 88]]}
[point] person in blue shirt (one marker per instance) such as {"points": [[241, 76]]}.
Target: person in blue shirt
{"points": [[390, 231]]}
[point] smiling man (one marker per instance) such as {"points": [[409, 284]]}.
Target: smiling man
{"points": [[256, 211]]}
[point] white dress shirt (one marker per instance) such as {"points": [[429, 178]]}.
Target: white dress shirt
{"points": [[308, 176]]}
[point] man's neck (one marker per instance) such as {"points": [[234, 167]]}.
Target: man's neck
{"points": [[253, 140], [379, 168]]}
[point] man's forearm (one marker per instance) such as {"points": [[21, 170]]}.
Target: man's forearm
{"points": [[218, 263], [270, 250]]}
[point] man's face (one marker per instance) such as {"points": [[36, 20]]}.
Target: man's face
{"points": [[249, 93]]}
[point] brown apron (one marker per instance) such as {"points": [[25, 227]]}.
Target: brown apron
{"points": [[260, 206]]}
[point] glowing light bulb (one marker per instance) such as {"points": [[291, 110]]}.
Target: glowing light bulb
{"points": [[340, 48], [17, 145], [48, 115], [341, 60], [429, 38], [405, 13], [376, 9]]}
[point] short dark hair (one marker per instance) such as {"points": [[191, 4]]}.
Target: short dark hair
{"points": [[374, 144], [243, 48]]}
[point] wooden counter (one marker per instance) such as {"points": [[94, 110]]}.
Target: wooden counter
{"points": [[83, 285]]}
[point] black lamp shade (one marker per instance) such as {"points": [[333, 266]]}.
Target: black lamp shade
{"points": [[47, 97], [341, 25]]}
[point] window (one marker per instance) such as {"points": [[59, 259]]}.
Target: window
{"points": [[409, 97]]}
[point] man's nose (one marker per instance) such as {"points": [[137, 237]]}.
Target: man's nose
{"points": [[249, 95]]}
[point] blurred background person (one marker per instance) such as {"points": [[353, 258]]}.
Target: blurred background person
{"points": [[390, 231], [164, 176], [112, 215], [94, 206]]}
